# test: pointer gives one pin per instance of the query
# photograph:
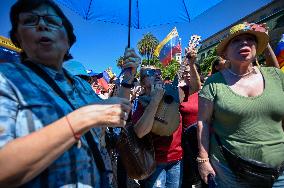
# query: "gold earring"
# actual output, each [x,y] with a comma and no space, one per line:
[256,61]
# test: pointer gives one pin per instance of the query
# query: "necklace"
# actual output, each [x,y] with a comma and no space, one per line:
[240,75]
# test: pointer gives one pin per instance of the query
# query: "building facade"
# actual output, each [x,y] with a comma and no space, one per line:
[272,14]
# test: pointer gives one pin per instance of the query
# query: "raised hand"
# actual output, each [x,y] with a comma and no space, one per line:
[131,60]
[191,54]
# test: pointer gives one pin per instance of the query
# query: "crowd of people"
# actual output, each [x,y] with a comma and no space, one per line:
[56,130]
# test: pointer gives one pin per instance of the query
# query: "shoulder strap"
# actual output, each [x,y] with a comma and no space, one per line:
[217,139]
[90,140]
[42,74]
[219,143]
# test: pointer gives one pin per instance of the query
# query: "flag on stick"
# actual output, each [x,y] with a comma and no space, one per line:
[168,47]
[279,52]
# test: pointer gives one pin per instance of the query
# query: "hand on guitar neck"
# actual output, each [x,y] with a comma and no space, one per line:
[189,75]
[191,50]
[191,55]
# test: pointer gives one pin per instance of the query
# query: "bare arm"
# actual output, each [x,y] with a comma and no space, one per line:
[132,61]
[205,111]
[195,83]
[24,158]
[145,123]
[124,93]
[194,79]
[270,58]
[37,151]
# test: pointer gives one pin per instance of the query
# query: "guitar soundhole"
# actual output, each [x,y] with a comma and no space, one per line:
[168,99]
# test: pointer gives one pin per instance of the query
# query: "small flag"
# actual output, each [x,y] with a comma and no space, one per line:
[279,52]
[110,73]
[106,76]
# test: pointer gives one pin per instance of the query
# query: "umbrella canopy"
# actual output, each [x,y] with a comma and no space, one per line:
[131,13]
[144,14]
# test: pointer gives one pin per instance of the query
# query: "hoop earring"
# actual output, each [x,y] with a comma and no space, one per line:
[256,61]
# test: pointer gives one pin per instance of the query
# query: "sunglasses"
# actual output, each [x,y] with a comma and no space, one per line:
[32,20]
[152,72]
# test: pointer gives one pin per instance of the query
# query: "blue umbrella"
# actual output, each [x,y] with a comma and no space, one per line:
[144,14]
[136,14]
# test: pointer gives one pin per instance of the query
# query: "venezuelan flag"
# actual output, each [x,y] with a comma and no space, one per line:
[110,73]
[168,47]
[106,76]
[279,52]
[102,82]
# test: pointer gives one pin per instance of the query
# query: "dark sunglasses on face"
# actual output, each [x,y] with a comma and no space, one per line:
[152,72]
[32,20]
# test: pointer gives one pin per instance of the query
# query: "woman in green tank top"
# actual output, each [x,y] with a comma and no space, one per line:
[244,106]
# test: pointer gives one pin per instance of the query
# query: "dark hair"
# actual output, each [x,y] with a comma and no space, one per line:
[215,63]
[167,78]
[28,5]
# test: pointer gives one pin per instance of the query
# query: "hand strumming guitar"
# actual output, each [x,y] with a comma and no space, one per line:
[157,93]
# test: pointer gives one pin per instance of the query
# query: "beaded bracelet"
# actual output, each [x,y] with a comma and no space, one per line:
[202,160]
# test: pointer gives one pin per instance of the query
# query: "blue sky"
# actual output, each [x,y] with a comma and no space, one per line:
[100,44]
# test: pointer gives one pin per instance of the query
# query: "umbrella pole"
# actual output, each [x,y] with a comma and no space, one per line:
[129,23]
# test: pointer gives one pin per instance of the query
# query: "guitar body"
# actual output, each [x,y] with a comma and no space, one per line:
[167,116]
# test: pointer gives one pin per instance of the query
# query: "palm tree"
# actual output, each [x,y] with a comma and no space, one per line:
[147,45]
[119,62]
[206,63]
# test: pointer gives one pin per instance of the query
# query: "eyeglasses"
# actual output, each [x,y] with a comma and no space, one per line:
[152,72]
[32,20]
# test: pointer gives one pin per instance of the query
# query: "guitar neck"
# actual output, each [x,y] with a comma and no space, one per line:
[192,44]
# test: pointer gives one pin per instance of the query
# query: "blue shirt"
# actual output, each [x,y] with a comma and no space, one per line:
[27,104]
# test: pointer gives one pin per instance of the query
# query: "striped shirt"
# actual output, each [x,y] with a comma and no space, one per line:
[27,104]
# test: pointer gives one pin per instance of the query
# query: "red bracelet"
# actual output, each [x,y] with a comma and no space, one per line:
[76,135]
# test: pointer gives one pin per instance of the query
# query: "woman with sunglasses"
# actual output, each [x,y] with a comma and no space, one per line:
[168,150]
[50,120]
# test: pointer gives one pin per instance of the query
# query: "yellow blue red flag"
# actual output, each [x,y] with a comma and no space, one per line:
[168,47]
[279,52]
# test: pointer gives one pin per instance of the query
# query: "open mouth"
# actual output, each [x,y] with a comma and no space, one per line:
[158,81]
[244,51]
[45,40]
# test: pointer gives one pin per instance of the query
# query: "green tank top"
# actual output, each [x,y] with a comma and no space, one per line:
[248,126]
